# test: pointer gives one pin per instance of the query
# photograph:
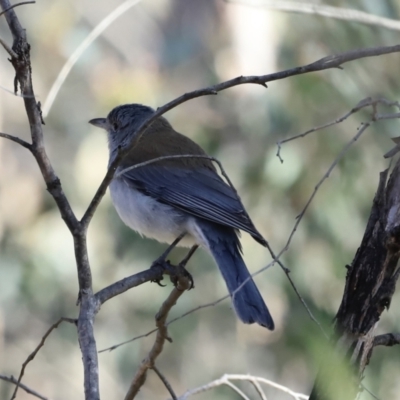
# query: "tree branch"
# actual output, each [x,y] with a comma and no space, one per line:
[11,379]
[38,347]
[388,339]
[183,284]
[17,140]
[227,378]
[370,284]
[369,101]
[340,13]
[16,5]
[165,382]
[152,274]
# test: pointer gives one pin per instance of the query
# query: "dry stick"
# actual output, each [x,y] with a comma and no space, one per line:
[364,126]
[165,382]
[152,274]
[225,379]
[387,339]
[16,140]
[93,35]
[324,63]
[10,91]
[11,379]
[341,13]
[167,324]
[39,346]
[16,5]
[8,49]
[259,389]
[362,104]
[237,390]
[162,335]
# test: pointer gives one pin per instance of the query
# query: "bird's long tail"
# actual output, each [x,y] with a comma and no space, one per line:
[224,246]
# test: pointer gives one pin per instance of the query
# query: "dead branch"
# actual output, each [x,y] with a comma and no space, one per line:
[11,379]
[16,5]
[340,13]
[362,104]
[183,283]
[16,139]
[227,378]
[370,283]
[39,346]
[388,339]
[165,382]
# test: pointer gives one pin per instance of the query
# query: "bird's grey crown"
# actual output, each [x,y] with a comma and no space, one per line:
[131,115]
[123,122]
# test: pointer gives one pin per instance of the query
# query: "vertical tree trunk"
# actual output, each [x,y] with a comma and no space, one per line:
[370,284]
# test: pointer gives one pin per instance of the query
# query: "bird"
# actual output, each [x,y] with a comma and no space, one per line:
[181,196]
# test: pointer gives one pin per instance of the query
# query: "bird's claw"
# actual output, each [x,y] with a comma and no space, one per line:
[174,271]
[165,265]
[181,272]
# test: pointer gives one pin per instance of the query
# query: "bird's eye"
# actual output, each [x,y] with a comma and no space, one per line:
[114,126]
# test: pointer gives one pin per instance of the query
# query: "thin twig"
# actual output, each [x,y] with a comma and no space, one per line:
[11,92]
[38,347]
[111,348]
[236,389]
[364,126]
[225,380]
[362,104]
[8,49]
[93,35]
[258,389]
[16,139]
[11,379]
[168,323]
[165,382]
[183,283]
[340,13]
[276,259]
[16,5]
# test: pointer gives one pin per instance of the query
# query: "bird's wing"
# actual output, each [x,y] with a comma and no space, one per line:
[201,193]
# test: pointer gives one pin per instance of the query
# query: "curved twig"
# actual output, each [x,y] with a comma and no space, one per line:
[340,13]
[16,5]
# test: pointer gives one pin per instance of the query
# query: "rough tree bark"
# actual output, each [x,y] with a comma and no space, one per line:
[370,284]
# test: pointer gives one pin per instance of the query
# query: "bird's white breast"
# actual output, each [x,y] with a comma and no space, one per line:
[152,218]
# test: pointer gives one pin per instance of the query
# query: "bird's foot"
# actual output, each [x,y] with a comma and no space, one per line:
[181,272]
[163,266]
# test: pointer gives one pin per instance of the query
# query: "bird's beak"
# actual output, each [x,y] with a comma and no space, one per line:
[99,122]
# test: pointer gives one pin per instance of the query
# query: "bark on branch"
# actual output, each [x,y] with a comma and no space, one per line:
[370,284]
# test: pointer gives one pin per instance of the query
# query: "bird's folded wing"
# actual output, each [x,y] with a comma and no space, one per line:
[201,193]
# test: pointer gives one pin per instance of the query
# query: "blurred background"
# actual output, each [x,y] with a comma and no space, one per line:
[154,52]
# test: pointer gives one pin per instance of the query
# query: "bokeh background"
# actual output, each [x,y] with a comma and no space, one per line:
[153,53]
